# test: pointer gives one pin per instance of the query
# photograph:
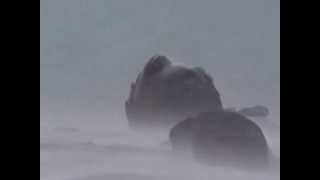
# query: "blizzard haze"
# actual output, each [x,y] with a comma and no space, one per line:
[91,51]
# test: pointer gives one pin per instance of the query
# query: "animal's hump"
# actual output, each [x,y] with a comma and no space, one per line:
[156,64]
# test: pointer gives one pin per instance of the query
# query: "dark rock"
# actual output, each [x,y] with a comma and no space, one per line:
[164,94]
[222,138]
[255,111]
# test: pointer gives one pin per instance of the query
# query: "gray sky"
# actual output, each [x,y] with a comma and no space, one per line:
[92,50]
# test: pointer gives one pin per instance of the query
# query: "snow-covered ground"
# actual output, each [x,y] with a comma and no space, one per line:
[107,150]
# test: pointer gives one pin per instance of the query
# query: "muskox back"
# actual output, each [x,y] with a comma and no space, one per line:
[222,138]
[164,94]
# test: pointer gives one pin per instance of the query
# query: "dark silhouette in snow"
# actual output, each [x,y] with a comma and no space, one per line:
[222,138]
[164,94]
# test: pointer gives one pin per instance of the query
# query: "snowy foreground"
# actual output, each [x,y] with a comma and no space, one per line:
[95,150]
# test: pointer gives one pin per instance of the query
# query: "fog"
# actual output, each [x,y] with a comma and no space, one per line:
[92,50]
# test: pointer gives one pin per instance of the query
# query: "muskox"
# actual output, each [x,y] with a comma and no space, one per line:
[222,138]
[165,93]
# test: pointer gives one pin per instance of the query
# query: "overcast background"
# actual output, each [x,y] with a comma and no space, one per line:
[92,50]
